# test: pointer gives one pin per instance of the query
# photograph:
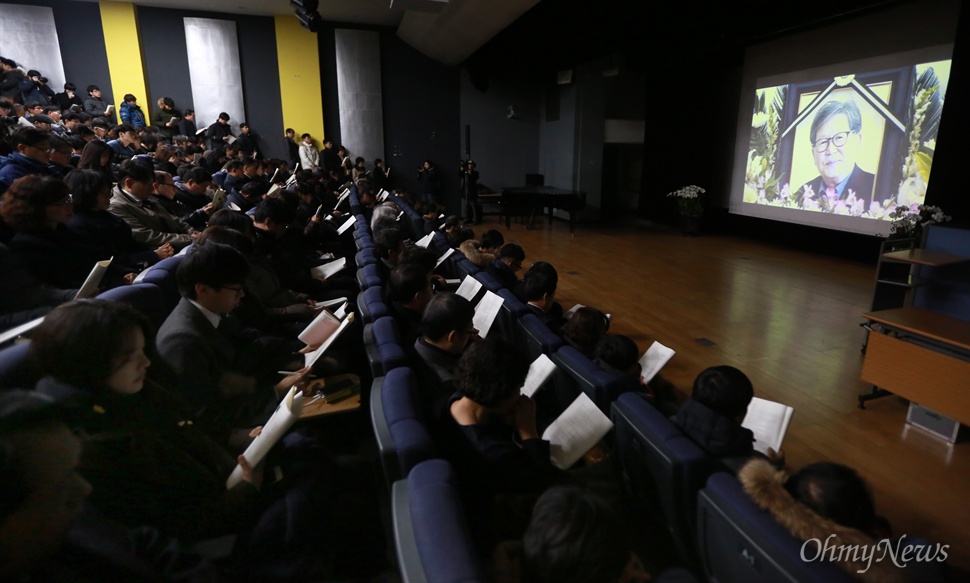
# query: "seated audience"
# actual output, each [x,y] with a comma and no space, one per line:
[215,368]
[832,504]
[621,356]
[31,156]
[91,220]
[446,331]
[38,209]
[22,296]
[165,191]
[507,264]
[538,290]
[584,330]
[483,253]
[575,535]
[408,291]
[491,437]
[712,417]
[150,223]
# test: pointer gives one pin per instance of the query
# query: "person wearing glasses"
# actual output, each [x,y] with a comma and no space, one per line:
[38,208]
[836,138]
[32,155]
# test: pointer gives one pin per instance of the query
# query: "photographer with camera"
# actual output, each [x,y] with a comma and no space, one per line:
[469,191]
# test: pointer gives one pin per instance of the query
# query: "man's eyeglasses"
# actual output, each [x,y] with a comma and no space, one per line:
[237,289]
[47,149]
[838,140]
[67,201]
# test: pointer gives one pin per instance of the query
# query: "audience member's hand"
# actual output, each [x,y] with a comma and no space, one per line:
[209,209]
[524,418]
[195,235]
[438,281]
[250,474]
[165,251]
[308,349]
[256,431]
[300,378]
[337,214]
[130,277]
[777,458]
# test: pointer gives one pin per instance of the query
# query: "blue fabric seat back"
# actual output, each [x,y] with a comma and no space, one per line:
[365,257]
[432,538]
[535,337]
[402,437]
[371,305]
[362,242]
[368,276]
[382,343]
[739,542]
[662,468]
[16,370]
[465,267]
[163,275]
[147,298]
[439,243]
[510,314]
[578,373]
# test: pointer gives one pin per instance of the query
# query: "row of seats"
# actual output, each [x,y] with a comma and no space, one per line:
[716,527]
[431,535]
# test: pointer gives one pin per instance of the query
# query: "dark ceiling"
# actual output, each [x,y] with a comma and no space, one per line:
[561,33]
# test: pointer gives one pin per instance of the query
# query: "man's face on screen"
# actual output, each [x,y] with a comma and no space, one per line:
[835,162]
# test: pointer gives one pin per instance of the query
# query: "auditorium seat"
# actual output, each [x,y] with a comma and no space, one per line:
[662,468]
[365,256]
[16,371]
[432,539]
[163,275]
[739,542]
[509,316]
[369,276]
[382,343]
[371,304]
[576,373]
[402,438]
[535,337]
[364,241]
[465,267]
[147,298]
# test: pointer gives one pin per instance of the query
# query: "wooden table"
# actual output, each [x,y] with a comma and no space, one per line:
[922,356]
[320,408]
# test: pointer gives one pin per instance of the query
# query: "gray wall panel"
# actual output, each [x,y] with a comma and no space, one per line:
[359,90]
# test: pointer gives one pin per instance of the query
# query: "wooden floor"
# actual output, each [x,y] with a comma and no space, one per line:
[790,321]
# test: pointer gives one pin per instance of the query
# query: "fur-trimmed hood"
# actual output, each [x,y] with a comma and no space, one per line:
[765,484]
[470,250]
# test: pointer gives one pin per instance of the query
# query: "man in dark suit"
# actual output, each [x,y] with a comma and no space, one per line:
[447,331]
[836,137]
[509,261]
[203,346]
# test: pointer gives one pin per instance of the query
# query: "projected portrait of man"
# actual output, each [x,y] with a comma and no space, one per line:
[836,137]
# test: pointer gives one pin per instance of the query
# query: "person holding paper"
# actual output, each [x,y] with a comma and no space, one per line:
[620,355]
[712,417]
[491,438]
[447,331]
[214,367]
[148,461]
[38,209]
[151,463]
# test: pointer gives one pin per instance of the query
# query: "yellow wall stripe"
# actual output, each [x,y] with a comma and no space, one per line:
[299,66]
[123,45]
